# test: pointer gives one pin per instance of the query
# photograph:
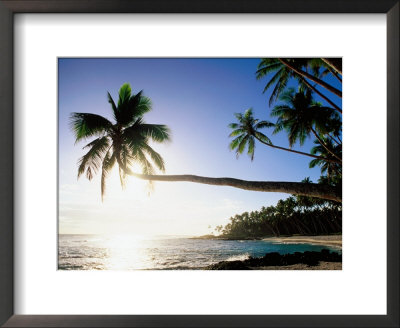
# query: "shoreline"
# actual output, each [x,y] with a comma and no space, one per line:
[322,265]
[325,240]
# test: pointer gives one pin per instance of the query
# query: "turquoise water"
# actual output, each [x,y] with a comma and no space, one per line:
[95,252]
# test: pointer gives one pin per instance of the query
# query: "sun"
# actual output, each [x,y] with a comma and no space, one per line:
[133,190]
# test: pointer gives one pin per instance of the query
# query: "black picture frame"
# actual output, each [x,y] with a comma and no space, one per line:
[10,7]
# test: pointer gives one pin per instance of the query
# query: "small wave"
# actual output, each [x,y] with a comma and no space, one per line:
[69,267]
[239,257]
[180,267]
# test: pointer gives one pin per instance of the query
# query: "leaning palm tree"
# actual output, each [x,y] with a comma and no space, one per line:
[298,69]
[301,116]
[246,131]
[125,141]
[335,63]
[285,69]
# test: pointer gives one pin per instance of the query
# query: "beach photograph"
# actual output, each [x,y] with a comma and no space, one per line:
[199,163]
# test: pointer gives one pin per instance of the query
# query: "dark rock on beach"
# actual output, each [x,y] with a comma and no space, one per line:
[275,259]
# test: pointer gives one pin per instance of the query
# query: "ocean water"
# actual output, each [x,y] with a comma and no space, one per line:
[100,252]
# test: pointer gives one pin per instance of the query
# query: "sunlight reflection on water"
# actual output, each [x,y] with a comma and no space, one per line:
[127,252]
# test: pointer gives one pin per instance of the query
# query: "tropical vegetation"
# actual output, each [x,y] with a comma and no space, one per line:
[124,141]
[298,113]
[294,215]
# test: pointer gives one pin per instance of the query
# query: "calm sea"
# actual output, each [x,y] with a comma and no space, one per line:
[98,252]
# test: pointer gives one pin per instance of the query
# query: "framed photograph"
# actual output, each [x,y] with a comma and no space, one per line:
[191,164]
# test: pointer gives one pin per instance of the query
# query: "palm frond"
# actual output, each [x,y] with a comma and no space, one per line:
[92,160]
[239,116]
[288,96]
[127,107]
[248,114]
[266,66]
[264,124]
[133,108]
[124,94]
[113,106]
[123,158]
[235,142]
[155,157]
[108,163]
[314,163]
[280,86]
[251,147]
[86,125]
[278,127]
[92,143]
[280,110]
[156,132]
[242,145]
[274,79]
[144,106]
[237,132]
[147,168]
[262,137]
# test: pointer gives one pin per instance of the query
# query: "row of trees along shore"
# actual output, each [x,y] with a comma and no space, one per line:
[294,215]
[298,114]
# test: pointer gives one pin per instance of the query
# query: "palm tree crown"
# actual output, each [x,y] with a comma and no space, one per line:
[124,142]
[282,73]
[284,69]
[330,168]
[300,115]
[246,131]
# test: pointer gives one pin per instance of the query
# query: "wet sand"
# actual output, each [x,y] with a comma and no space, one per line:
[300,266]
[328,240]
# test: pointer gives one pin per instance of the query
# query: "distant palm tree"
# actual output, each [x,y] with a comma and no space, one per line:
[247,130]
[126,141]
[301,116]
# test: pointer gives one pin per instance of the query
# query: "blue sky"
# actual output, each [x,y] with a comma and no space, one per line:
[196,98]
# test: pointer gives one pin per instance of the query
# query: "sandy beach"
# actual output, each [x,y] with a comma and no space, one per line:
[300,266]
[328,240]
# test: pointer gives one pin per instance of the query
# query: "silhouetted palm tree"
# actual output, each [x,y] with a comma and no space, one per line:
[329,168]
[300,116]
[335,63]
[283,72]
[247,130]
[292,64]
[126,141]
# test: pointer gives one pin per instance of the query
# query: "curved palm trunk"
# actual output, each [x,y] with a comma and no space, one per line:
[335,63]
[322,95]
[299,152]
[323,145]
[335,74]
[312,78]
[332,138]
[297,188]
